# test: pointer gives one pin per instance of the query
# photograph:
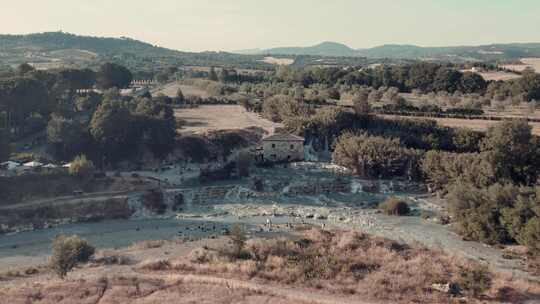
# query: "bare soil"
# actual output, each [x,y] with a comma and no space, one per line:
[202,119]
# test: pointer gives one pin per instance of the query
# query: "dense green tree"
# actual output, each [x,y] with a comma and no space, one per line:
[20,97]
[443,169]
[156,120]
[513,152]
[497,214]
[74,79]
[113,129]
[447,79]
[375,157]
[478,211]
[473,83]
[67,137]
[111,75]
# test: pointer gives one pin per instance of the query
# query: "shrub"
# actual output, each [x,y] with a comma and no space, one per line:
[395,206]
[67,252]
[530,236]
[155,265]
[238,237]
[476,279]
[81,167]
[154,201]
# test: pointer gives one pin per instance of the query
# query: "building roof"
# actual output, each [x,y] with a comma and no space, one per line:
[283,137]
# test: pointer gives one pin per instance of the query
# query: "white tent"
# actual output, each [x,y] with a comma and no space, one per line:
[10,165]
[68,165]
[50,166]
[33,164]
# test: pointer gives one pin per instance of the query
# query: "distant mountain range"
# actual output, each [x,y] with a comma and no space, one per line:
[394,51]
[59,49]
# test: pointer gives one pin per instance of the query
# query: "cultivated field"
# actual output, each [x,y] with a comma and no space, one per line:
[527,62]
[188,90]
[220,117]
[473,124]
[496,76]
[278,61]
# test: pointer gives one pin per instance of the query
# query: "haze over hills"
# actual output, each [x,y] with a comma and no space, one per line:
[395,51]
[52,49]
[59,49]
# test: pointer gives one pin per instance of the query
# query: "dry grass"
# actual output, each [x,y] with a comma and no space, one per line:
[150,244]
[188,90]
[496,76]
[532,62]
[207,118]
[527,62]
[278,61]
[347,263]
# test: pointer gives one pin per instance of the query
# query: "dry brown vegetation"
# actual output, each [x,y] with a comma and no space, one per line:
[316,266]
[356,265]
[527,62]
[278,61]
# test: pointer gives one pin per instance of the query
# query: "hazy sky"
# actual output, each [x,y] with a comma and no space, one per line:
[198,25]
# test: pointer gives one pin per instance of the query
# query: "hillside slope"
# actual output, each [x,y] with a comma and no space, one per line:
[52,49]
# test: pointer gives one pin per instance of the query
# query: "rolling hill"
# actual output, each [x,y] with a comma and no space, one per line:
[54,49]
[331,49]
[394,51]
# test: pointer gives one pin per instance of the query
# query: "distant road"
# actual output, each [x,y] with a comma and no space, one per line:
[96,196]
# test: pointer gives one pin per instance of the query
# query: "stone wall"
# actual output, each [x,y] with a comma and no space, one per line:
[320,186]
[276,151]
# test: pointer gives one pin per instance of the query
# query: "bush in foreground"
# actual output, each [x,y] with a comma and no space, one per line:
[81,167]
[475,280]
[395,206]
[67,252]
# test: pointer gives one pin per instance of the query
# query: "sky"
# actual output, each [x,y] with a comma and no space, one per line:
[227,25]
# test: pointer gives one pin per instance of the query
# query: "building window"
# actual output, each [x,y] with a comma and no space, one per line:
[292,147]
[273,146]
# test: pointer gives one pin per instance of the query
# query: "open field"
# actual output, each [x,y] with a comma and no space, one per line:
[188,90]
[221,117]
[533,62]
[496,76]
[473,124]
[527,62]
[278,61]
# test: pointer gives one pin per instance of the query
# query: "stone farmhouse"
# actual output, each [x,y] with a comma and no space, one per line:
[282,147]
